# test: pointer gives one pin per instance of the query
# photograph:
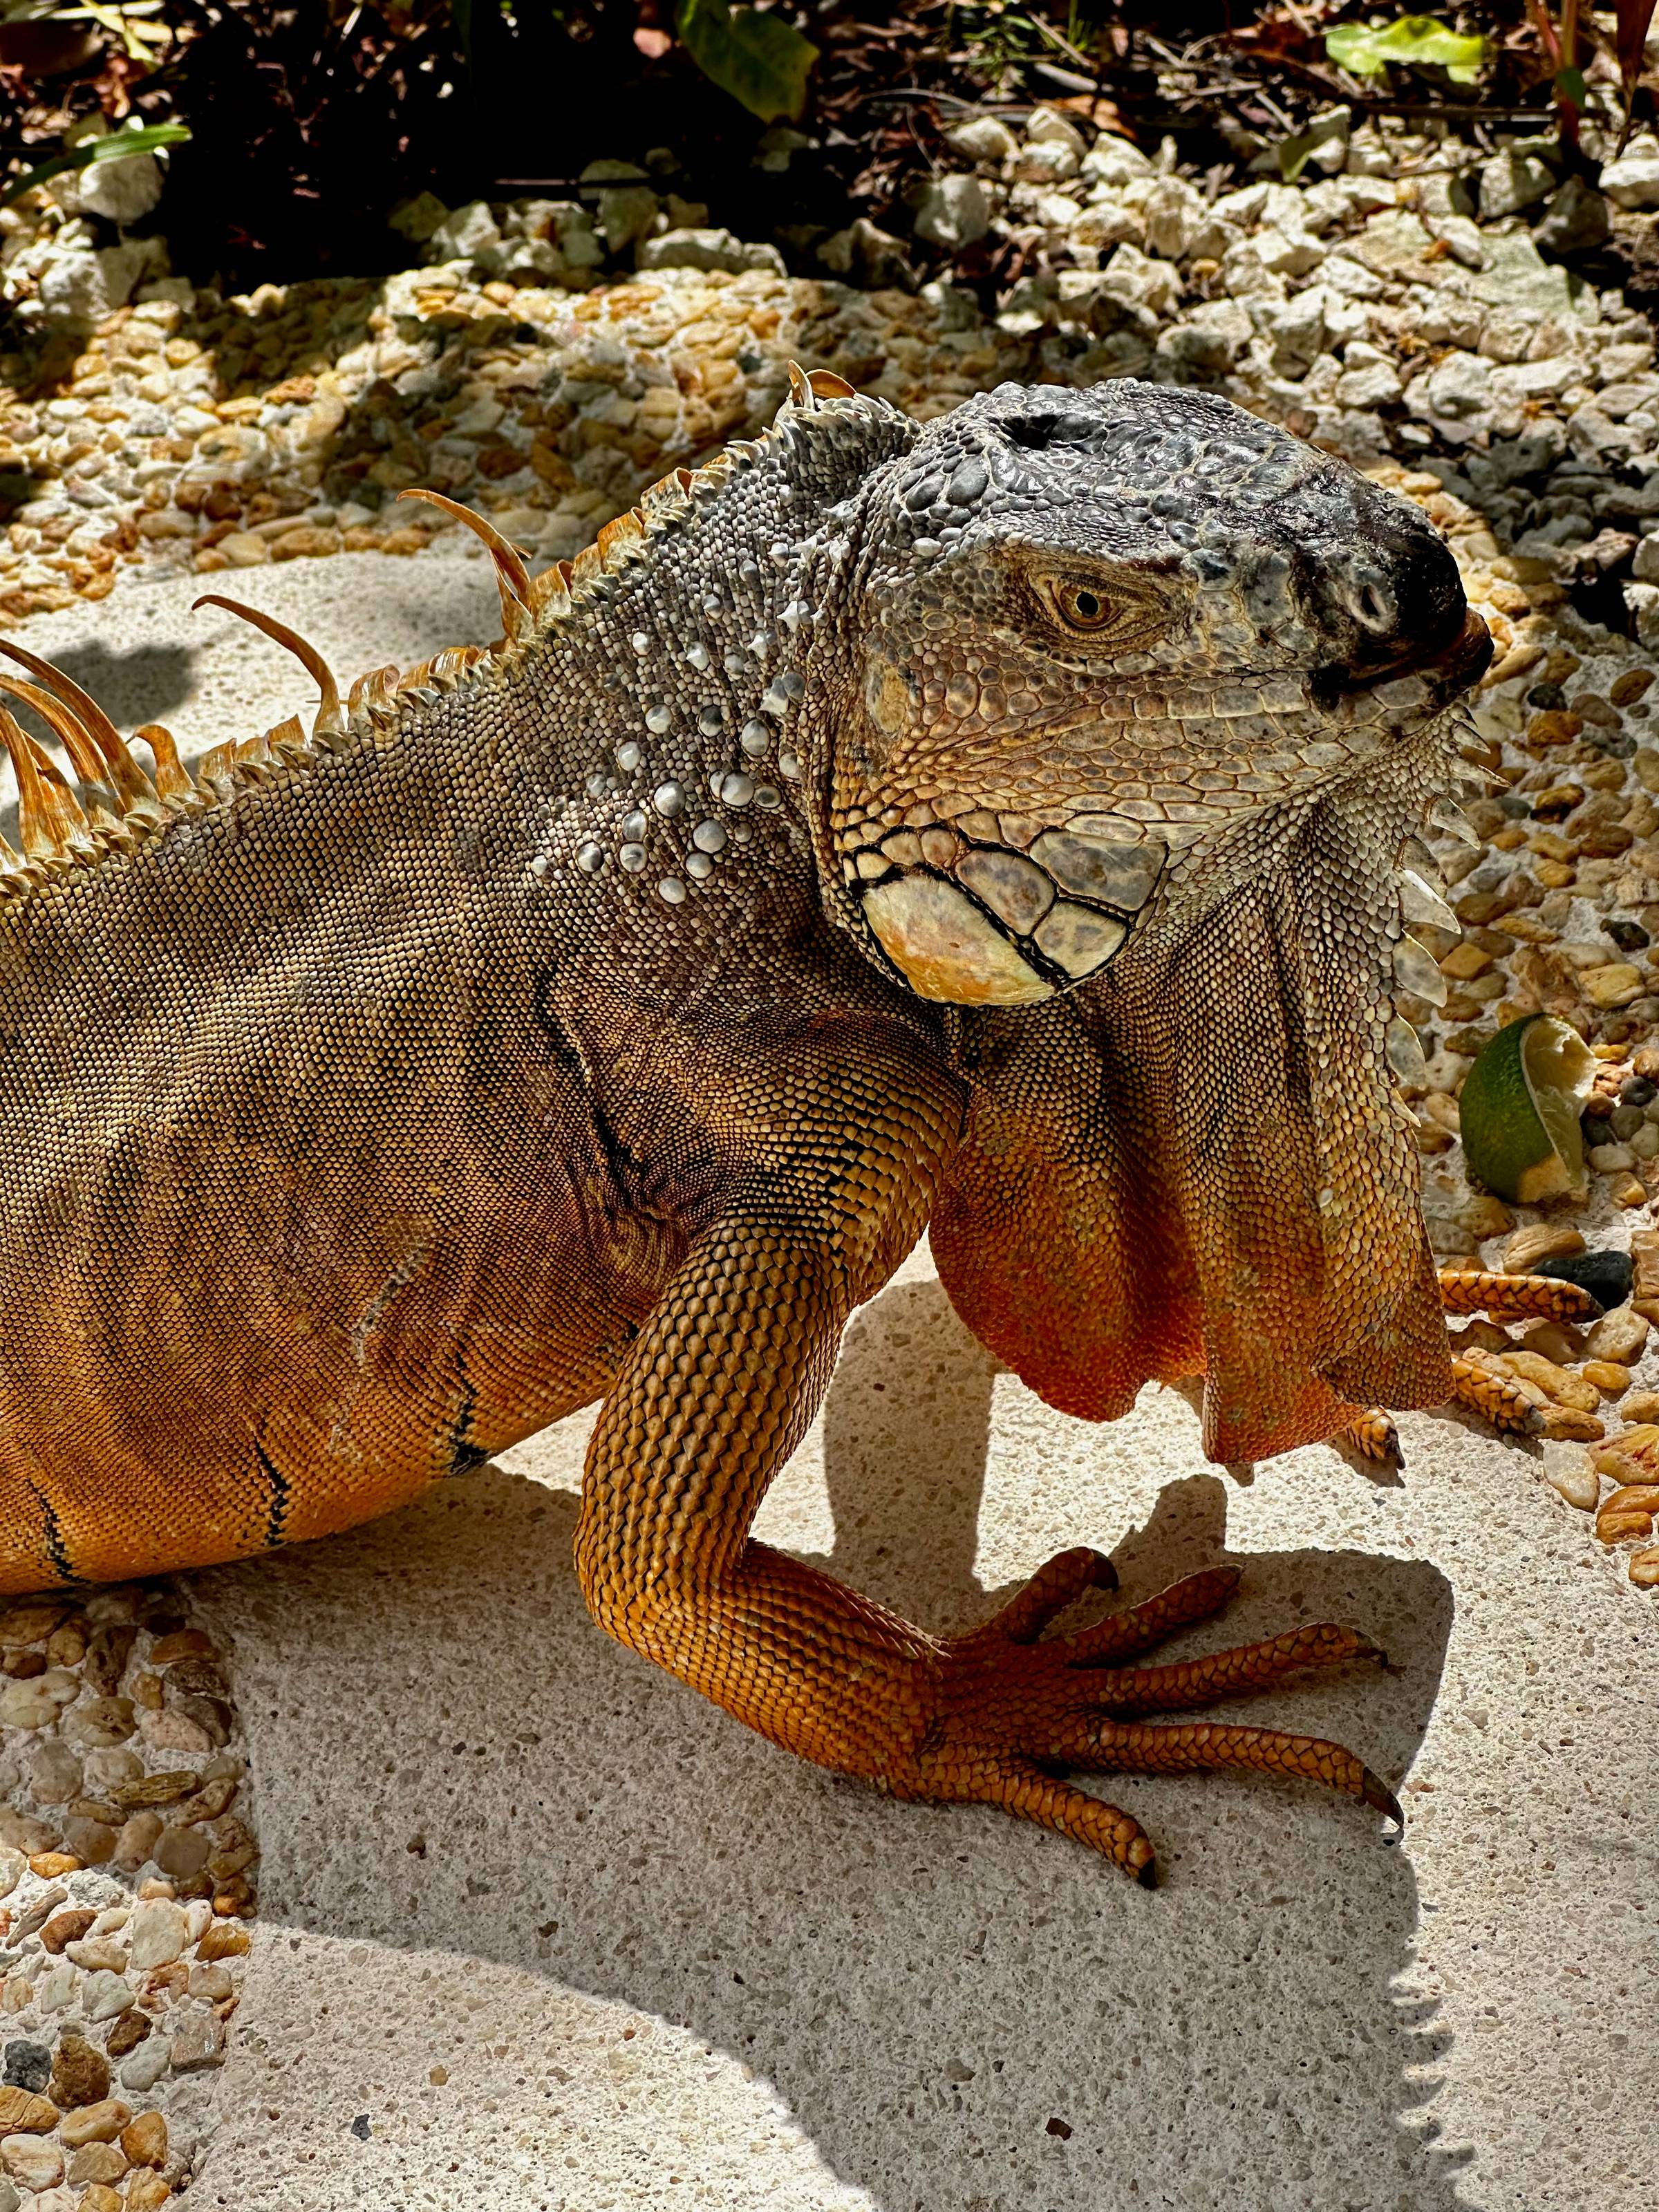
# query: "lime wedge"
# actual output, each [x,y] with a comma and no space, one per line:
[1520,1108]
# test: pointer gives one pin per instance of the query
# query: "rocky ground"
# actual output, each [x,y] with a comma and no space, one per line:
[126,1867]
[1405,302]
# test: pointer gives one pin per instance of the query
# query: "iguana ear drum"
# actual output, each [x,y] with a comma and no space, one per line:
[988,927]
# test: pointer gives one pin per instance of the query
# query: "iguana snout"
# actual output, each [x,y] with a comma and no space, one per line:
[1097,635]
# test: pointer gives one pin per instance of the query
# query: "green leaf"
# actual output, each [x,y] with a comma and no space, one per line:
[1366,50]
[118,146]
[1292,153]
[759,59]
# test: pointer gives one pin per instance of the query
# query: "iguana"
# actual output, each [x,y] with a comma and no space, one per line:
[993,823]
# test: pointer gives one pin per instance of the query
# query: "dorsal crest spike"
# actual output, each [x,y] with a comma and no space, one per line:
[512,577]
[801,394]
[84,756]
[172,776]
[619,535]
[49,817]
[373,690]
[328,722]
[215,764]
[826,385]
[550,592]
[132,787]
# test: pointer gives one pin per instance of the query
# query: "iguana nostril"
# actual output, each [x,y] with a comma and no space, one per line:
[1376,605]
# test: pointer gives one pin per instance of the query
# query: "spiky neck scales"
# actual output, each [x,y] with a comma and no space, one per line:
[668,660]
[697,658]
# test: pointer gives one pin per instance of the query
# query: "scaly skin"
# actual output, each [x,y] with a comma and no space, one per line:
[991,823]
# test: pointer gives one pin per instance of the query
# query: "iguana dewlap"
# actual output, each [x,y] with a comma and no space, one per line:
[993,822]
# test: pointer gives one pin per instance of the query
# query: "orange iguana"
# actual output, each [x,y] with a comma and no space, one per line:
[994,822]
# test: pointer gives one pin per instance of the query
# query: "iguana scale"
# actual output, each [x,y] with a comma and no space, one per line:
[994,822]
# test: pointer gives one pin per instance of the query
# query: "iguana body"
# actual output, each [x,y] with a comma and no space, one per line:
[993,822]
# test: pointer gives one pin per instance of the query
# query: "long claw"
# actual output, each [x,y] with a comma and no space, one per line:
[1377,1794]
[1201,1746]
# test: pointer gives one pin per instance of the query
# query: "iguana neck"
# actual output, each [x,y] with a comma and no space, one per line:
[678,718]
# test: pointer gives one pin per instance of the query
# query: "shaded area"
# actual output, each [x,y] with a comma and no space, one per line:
[958,2011]
[132,683]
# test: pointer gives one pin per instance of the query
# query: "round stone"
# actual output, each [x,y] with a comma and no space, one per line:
[710,720]
[28,2065]
[591,859]
[789,765]
[672,890]
[632,827]
[33,2162]
[640,642]
[755,738]
[668,798]
[1606,1275]
[80,2073]
[147,2064]
[699,865]
[632,858]
[698,657]
[709,836]
[767,797]
[658,719]
[737,789]
[540,865]
[627,757]
[144,2139]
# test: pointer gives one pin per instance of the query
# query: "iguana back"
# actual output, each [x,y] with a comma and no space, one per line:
[325,1155]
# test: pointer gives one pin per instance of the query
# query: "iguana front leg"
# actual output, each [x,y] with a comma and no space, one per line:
[717,1392]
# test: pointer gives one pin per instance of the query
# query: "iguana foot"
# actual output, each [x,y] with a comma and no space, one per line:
[1012,1715]
[1484,1390]
[1496,1397]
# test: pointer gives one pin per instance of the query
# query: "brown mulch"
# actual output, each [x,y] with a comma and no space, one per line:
[313,118]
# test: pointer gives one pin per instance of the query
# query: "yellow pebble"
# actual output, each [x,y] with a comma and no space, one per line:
[1611,1381]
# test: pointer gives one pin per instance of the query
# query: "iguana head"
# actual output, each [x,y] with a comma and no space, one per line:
[1100,634]
[1142,702]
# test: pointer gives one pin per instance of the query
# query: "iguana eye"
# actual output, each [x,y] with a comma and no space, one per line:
[1081,608]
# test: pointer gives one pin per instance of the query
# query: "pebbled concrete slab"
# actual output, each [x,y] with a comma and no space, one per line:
[540,1929]
[546,1931]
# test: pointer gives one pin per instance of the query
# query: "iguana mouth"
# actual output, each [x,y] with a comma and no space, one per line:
[1445,666]
[981,909]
